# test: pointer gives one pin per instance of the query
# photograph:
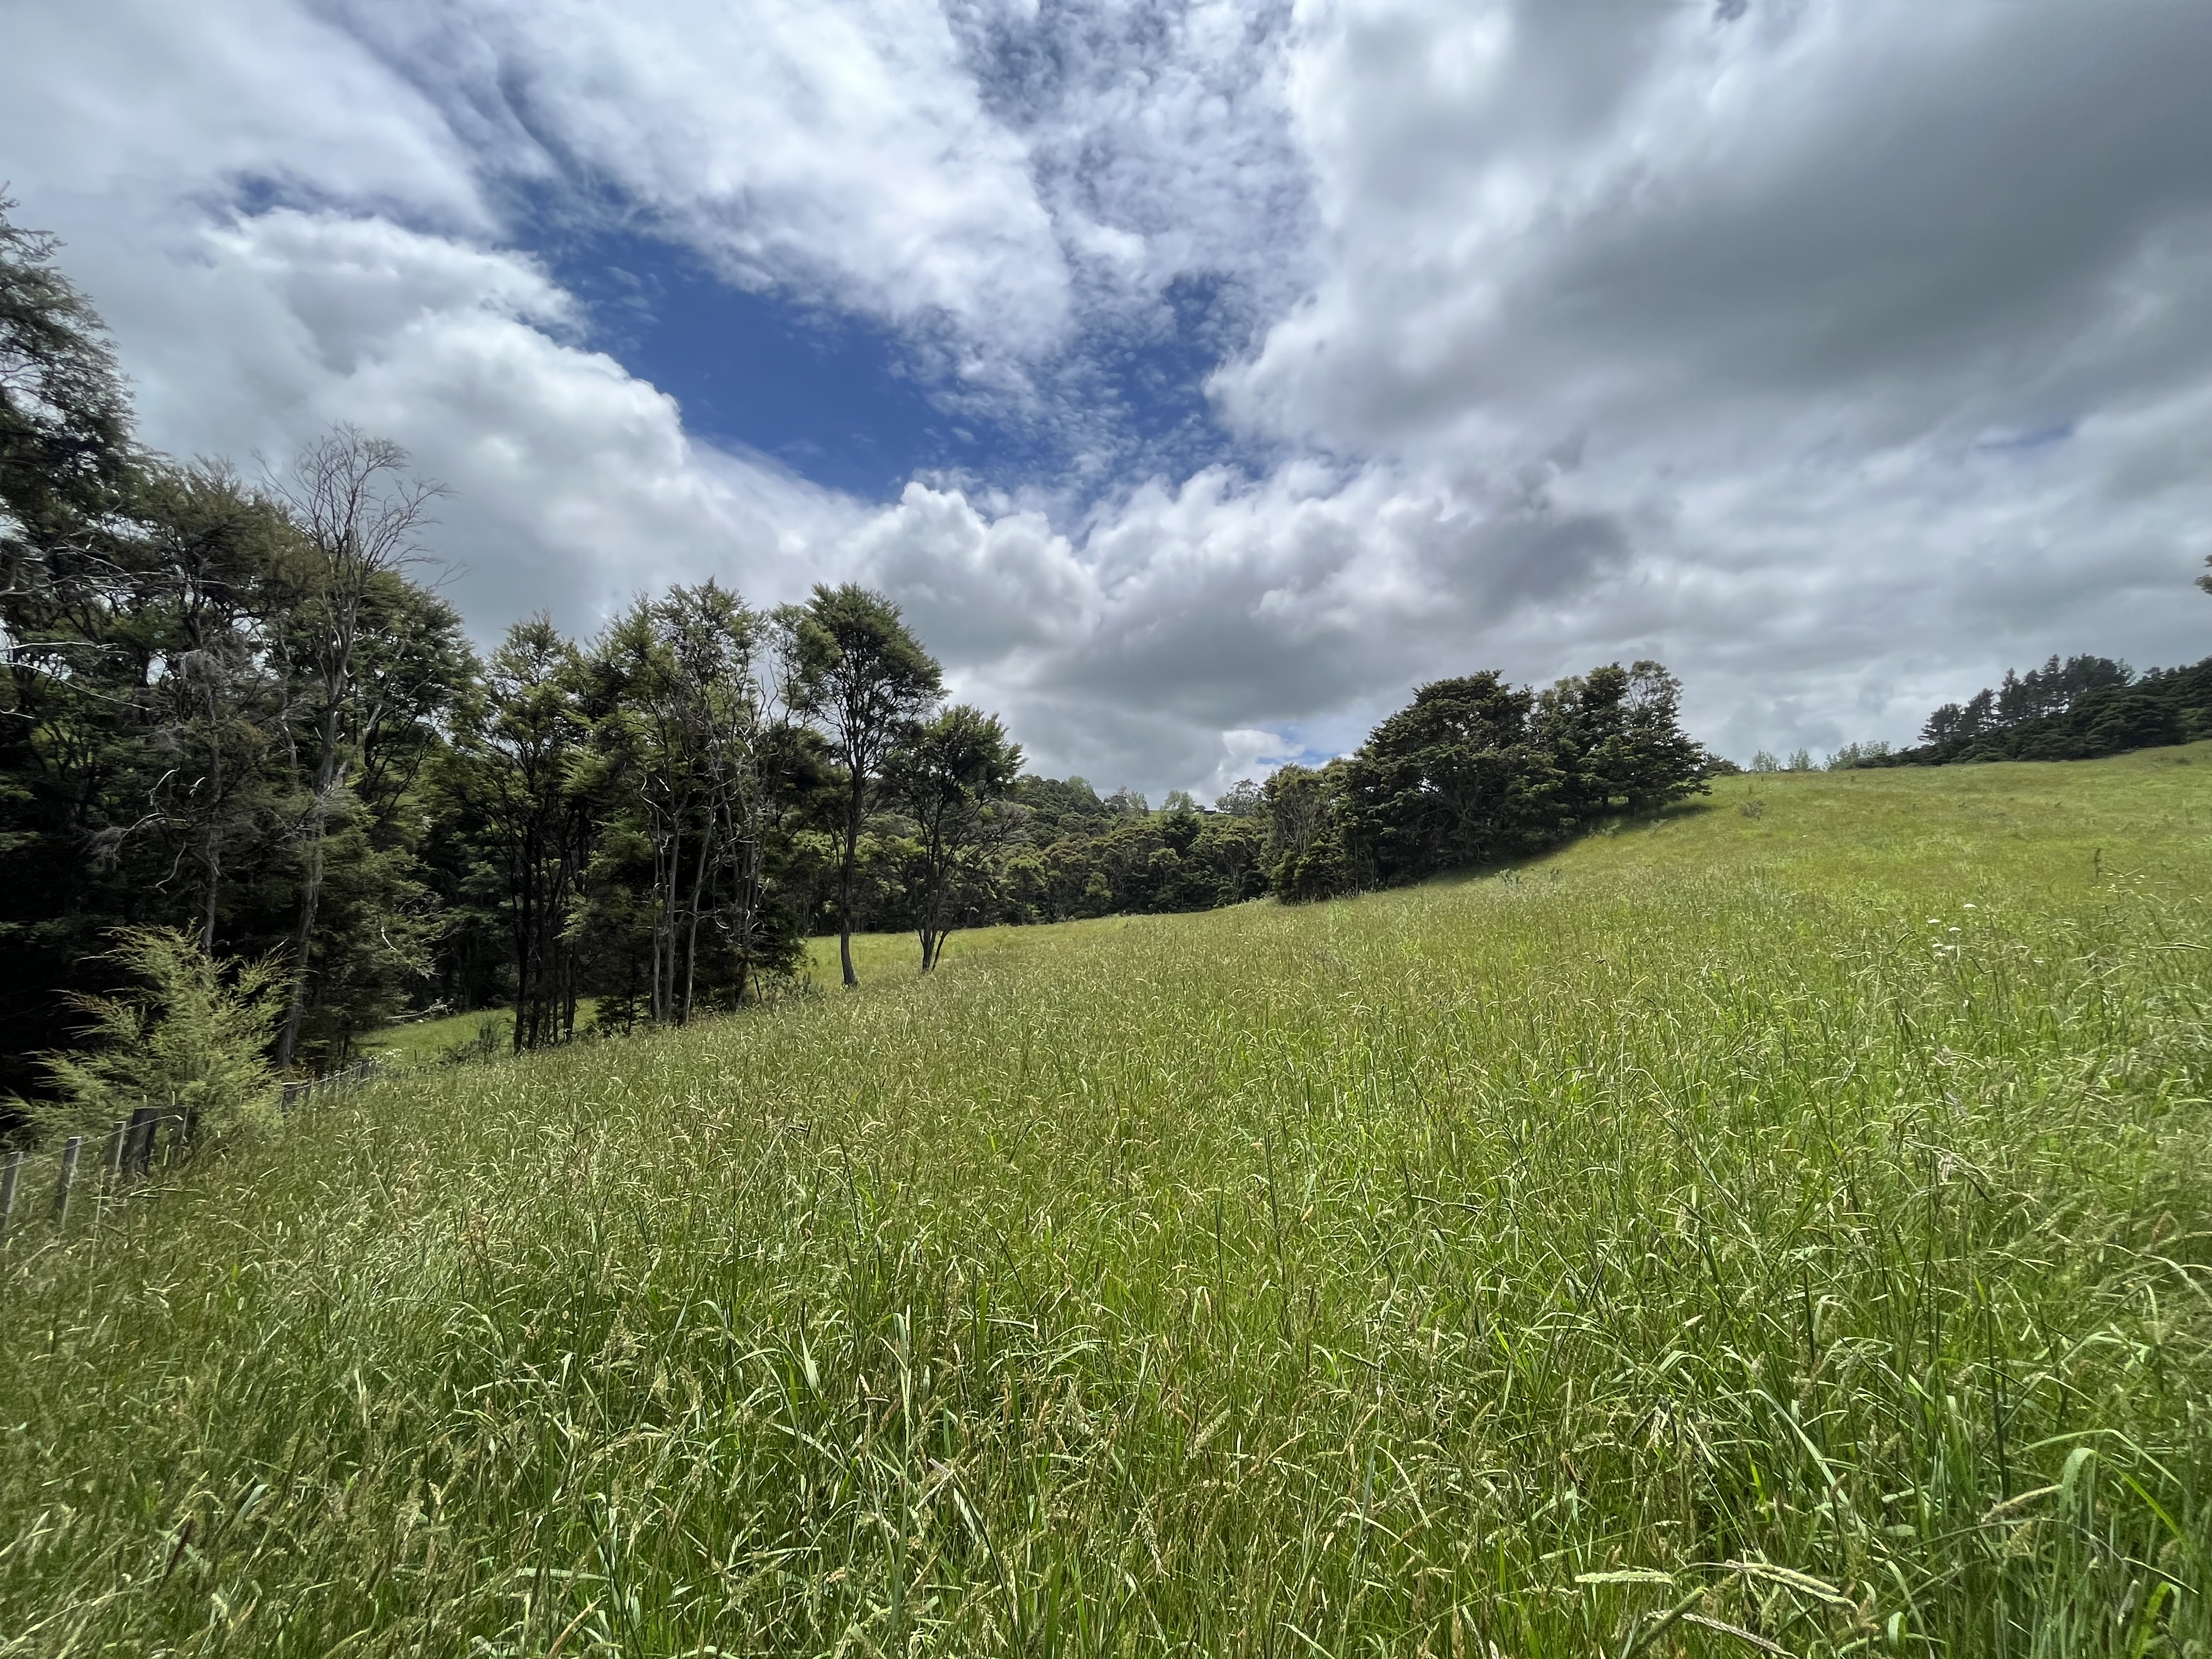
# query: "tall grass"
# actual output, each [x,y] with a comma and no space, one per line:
[1678,1248]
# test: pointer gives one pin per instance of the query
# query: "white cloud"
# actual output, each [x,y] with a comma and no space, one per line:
[1749,292]
[1159,135]
[1541,220]
[835,145]
[575,484]
[1837,354]
[125,108]
[1248,753]
[978,588]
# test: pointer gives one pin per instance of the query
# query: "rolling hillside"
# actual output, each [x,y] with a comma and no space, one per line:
[1781,1228]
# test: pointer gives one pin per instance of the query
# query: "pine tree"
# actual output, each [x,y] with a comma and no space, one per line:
[191,1046]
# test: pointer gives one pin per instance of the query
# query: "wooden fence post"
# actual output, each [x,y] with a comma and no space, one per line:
[70,1150]
[8,1174]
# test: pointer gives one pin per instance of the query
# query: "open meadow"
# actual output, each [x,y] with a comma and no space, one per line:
[1783,1227]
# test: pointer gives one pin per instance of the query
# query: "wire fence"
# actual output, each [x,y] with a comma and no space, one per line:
[345,1076]
[44,1185]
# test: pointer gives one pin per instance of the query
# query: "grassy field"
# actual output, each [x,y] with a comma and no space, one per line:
[434,1042]
[1784,1229]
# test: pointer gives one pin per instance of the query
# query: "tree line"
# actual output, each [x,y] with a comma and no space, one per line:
[237,712]
[2079,708]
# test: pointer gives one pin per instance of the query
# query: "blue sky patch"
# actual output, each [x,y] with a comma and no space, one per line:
[853,405]
[833,396]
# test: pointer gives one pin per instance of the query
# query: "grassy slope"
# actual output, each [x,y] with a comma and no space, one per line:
[428,1042]
[1361,1278]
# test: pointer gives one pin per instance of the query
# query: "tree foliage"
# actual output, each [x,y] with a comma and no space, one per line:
[704,775]
[237,725]
[858,674]
[1474,771]
[190,1044]
[2078,708]
[65,444]
[950,779]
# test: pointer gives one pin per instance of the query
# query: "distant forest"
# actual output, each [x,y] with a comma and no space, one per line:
[238,709]
[2081,709]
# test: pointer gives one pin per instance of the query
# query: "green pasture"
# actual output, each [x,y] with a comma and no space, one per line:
[436,1041]
[1782,1227]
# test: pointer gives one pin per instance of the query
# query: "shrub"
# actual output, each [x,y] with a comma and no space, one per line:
[494,1033]
[192,1045]
[1852,755]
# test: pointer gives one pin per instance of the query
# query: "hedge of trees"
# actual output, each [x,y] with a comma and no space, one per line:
[2078,709]
[1474,771]
[238,711]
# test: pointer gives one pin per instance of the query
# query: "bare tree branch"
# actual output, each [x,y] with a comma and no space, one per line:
[364,516]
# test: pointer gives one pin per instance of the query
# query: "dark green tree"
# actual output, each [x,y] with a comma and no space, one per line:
[1242,799]
[1454,778]
[66,452]
[216,561]
[518,784]
[702,761]
[66,461]
[1230,852]
[1614,736]
[2074,709]
[950,779]
[380,917]
[857,673]
[1308,857]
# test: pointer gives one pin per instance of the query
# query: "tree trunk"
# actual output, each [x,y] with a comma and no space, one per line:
[657,857]
[524,949]
[845,880]
[692,939]
[214,887]
[310,898]
[667,858]
[214,854]
[845,926]
[932,911]
[311,892]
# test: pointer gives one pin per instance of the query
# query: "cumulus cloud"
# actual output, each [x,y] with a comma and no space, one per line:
[391,305]
[1542,219]
[1295,606]
[574,484]
[133,108]
[1835,353]
[836,145]
[1867,332]
[1159,136]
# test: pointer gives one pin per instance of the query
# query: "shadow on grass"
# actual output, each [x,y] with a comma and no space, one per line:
[1644,824]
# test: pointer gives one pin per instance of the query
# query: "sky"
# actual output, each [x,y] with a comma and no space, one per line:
[1201,378]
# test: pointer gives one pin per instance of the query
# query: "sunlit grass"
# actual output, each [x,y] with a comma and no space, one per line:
[431,1042]
[1787,1229]
[880,957]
